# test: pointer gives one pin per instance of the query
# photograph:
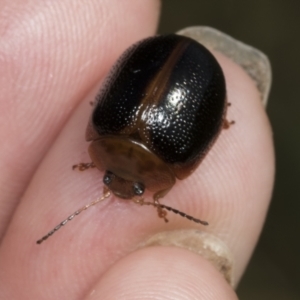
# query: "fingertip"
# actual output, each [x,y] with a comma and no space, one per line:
[162,273]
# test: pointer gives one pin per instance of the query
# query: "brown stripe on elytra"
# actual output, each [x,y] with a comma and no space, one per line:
[159,84]
[153,93]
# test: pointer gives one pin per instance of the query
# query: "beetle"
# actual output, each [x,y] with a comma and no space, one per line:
[159,112]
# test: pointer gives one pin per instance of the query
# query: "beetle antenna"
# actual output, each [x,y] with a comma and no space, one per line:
[76,213]
[184,215]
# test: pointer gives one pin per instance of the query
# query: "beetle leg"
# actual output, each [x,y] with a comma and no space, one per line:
[160,211]
[83,166]
[227,124]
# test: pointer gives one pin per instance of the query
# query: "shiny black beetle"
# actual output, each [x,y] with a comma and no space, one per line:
[161,109]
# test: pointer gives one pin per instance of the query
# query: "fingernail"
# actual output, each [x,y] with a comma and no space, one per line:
[207,245]
[252,60]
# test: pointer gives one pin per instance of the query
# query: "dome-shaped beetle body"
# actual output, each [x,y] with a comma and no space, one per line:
[162,107]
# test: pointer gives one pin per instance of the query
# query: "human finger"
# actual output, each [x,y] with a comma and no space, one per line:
[233,188]
[51,54]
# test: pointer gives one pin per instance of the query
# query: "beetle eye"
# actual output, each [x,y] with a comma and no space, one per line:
[108,177]
[138,188]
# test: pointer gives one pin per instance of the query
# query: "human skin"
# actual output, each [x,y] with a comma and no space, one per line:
[52,55]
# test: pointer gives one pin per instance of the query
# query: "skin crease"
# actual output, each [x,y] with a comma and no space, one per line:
[231,188]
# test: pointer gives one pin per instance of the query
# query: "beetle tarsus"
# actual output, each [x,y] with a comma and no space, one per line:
[227,124]
[160,211]
[83,166]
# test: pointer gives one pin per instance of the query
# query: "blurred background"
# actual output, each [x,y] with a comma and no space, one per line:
[272,26]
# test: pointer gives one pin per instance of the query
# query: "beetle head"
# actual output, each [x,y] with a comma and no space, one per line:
[121,187]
